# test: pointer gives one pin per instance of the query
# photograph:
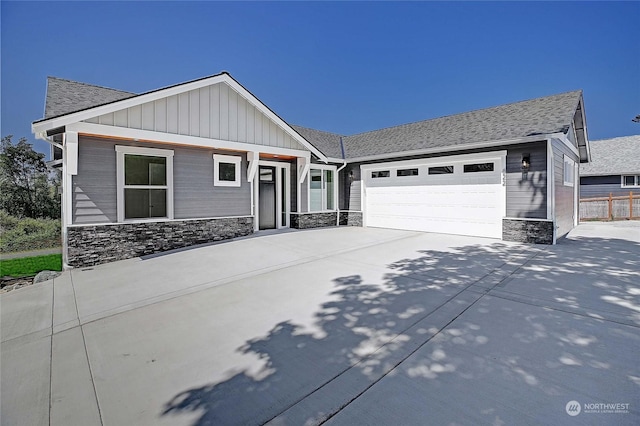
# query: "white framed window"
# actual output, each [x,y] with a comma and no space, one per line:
[144,183]
[568,171]
[226,170]
[630,181]
[322,189]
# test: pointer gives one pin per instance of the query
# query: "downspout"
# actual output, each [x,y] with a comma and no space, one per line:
[344,164]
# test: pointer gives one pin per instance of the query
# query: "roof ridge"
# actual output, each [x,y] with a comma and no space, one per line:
[318,130]
[466,112]
[90,85]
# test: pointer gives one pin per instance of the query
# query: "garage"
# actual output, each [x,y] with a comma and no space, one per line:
[461,194]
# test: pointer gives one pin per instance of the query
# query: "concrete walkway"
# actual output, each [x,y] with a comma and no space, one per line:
[31,253]
[341,325]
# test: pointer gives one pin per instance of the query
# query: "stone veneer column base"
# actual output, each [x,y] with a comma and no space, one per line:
[95,244]
[348,218]
[313,220]
[538,231]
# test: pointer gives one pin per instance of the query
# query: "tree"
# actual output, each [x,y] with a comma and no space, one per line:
[28,188]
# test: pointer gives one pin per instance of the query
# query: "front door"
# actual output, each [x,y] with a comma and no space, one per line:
[267,197]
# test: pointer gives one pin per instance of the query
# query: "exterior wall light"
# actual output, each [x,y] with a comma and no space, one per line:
[526,162]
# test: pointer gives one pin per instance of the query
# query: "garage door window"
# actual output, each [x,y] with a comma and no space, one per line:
[440,170]
[380,174]
[407,172]
[478,167]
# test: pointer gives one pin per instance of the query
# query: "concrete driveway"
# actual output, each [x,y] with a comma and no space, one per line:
[342,325]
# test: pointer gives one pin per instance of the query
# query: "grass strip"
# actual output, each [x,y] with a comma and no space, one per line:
[27,266]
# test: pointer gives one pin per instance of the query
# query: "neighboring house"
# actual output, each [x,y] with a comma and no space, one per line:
[206,160]
[614,168]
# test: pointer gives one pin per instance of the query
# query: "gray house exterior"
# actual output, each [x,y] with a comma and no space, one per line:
[614,168]
[206,160]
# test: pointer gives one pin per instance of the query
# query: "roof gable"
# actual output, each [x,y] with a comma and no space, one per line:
[613,157]
[215,107]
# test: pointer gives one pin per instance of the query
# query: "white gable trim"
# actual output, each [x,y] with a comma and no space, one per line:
[170,138]
[71,118]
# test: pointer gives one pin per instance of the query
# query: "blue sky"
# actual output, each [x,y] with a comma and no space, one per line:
[340,67]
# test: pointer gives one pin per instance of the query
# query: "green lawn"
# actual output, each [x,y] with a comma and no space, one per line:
[28,266]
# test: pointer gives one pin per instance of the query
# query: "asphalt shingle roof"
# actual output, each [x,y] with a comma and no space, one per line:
[66,96]
[613,157]
[326,142]
[539,116]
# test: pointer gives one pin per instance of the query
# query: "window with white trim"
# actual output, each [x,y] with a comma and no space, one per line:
[569,171]
[322,190]
[145,183]
[630,181]
[226,170]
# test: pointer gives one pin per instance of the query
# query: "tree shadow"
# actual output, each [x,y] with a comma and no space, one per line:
[553,317]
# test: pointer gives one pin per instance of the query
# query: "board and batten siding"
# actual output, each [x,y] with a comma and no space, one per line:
[602,186]
[195,196]
[527,192]
[564,195]
[216,112]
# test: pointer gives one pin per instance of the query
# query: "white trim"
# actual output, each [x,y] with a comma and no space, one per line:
[71,143]
[566,160]
[228,159]
[563,138]
[253,157]
[170,91]
[636,179]
[551,188]
[479,145]
[279,166]
[576,194]
[550,180]
[175,139]
[121,151]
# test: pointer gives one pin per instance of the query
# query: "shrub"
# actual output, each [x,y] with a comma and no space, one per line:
[28,234]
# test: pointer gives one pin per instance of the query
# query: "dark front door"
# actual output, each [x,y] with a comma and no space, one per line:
[267,197]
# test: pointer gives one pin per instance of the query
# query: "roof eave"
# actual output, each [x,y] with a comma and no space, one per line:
[451,148]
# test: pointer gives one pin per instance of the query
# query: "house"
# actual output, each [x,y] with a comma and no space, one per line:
[614,168]
[206,160]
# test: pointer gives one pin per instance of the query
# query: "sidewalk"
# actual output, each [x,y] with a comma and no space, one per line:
[30,253]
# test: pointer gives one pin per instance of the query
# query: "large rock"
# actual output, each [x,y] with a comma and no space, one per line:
[45,276]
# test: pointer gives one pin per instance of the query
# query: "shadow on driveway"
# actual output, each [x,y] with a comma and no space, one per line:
[562,327]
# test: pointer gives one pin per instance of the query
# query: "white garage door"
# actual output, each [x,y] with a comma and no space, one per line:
[460,195]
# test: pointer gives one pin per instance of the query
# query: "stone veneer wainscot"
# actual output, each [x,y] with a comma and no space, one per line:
[96,244]
[528,230]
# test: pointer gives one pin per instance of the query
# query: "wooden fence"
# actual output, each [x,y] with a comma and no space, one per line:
[611,208]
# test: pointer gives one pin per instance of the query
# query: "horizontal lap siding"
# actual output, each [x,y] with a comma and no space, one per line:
[602,186]
[194,194]
[527,192]
[95,187]
[564,195]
